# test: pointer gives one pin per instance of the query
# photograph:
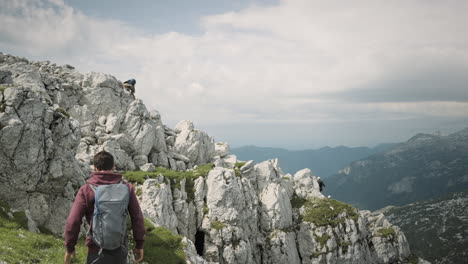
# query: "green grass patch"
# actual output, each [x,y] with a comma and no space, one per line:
[18,245]
[239,164]
[175,177]
[297,202]
[2,88]
[162,246]
[205,210]
[217,225]
[323,212]
[386,232]
[237,167]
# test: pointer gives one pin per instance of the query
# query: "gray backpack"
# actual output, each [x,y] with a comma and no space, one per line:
[109,227]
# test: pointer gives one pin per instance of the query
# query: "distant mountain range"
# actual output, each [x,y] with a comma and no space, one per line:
[323,162]
[437,229]
[424,167]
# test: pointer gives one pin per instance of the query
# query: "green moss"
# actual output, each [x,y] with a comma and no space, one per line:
[323,212]
[322,239]
[2,88]
[205,210]
[286,178]
[386,232]
[217,225]
[175,177]
[62,111]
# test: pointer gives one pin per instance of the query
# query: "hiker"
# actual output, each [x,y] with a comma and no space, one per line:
[321,184]
[105,247]
[130,85]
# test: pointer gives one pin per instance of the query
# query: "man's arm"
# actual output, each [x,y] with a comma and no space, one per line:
[72,227]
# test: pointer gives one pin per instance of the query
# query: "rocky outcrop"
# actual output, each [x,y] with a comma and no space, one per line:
[53,120]
[255,213]
[38,142]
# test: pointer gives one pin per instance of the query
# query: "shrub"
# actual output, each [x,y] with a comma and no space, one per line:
[387,232]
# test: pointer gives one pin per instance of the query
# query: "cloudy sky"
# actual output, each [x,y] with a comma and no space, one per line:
[292,73]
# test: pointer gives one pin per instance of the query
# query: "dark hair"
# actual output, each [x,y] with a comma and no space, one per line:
[103,161]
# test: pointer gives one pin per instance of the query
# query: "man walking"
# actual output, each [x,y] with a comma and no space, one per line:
[84,205]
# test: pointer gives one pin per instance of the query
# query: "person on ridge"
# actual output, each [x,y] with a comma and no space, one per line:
[321,184]
[130,85]
[84,205]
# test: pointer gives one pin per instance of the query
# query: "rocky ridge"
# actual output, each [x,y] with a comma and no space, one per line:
[424,167]
[436,229]
[53,119]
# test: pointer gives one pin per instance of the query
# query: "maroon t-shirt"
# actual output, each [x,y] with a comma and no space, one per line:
[84,206]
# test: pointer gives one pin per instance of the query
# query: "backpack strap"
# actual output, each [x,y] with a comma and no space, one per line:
[96,200]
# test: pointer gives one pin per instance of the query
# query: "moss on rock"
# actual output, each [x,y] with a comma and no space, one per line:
[323,212]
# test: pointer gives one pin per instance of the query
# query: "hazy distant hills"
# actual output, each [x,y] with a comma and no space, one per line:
[437,229]
[323,162]
[424,167]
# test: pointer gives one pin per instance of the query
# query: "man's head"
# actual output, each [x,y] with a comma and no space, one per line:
[103,161]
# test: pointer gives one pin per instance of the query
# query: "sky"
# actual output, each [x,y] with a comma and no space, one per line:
[295,74]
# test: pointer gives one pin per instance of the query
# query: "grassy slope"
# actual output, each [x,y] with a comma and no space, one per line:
[18,245]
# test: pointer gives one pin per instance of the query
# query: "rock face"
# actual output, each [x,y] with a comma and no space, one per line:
[53,119]
[258,214]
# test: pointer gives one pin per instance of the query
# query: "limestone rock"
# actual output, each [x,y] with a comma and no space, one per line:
[222,149]
[148,167]
[156,203]
[194,144]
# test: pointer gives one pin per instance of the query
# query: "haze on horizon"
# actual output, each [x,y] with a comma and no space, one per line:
[295,74]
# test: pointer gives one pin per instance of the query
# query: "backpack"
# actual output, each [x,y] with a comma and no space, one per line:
[109,224]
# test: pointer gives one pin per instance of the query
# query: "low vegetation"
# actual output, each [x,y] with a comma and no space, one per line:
[162,246]
[386,232]
[237,167]
[322,240]
[217,225]
[323,212]
[18,245]
[297,202]
[139,177]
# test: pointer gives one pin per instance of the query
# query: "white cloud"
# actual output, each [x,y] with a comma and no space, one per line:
[262,64]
